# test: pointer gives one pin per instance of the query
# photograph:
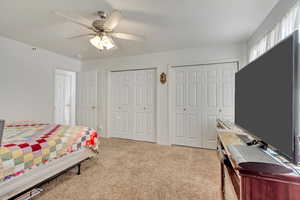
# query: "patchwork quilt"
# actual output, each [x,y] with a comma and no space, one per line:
[27,145]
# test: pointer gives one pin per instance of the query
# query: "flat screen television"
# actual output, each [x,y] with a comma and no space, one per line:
[266,98]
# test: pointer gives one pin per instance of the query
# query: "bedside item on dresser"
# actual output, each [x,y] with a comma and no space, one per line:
[2,122]
[246,154]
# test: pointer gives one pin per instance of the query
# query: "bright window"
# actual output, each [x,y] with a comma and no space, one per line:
[284,28]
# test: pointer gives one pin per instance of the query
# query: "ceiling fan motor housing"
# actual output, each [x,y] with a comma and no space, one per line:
[98,24]
[102,14]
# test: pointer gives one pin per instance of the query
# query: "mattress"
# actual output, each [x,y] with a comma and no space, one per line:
[27,145]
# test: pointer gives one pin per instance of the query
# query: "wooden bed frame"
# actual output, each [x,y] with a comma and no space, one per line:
[35,177]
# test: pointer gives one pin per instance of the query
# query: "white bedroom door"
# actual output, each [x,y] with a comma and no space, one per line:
[201,94]
[65,88]
[87,99]
[132,105]
[144,118]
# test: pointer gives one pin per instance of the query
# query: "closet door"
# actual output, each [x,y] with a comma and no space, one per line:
[210,107]
[193,108]
[219,99]
[132,110]
[144,87]
[187,117]
[201,95]
[121,125]
[227,80]
[178,119]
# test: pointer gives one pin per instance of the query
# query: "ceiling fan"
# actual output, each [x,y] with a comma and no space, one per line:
[102,29]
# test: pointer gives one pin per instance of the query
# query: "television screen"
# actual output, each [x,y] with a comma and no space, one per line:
[266,97]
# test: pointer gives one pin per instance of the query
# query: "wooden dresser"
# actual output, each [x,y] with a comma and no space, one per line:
[241,184]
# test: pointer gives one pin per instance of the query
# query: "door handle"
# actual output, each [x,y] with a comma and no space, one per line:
[144,108]
[93,107]
[184,109]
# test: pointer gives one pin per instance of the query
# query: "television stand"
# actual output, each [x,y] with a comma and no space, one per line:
[267,168]
[254,180]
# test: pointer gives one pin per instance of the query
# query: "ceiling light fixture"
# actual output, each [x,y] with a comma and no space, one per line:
[102,29]
[102,42]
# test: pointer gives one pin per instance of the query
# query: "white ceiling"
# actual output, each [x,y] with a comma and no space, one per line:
[165,24]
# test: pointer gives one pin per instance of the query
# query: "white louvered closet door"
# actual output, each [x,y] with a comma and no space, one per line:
[87,99]
[201,95]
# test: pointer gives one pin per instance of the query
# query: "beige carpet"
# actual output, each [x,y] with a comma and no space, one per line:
[140,171]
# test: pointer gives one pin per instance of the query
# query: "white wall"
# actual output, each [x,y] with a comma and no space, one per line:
[160,61]
[277,13]
[27,81]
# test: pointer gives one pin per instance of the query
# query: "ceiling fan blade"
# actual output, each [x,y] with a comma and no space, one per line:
[75,21]
[80,36]
[126,36]
[113,20]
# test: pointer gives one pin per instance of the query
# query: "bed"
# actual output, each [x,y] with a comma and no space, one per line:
[34,152]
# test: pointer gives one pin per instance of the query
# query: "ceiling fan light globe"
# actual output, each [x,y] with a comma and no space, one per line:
[107,42]
[102,42]
[96,42]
